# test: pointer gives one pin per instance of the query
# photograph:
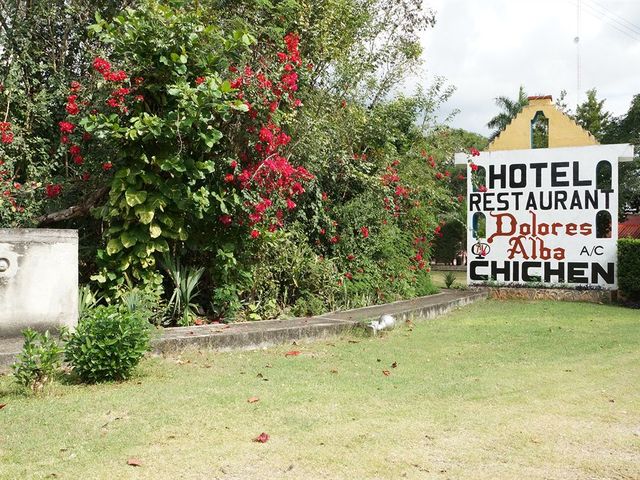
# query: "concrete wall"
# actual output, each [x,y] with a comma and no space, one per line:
[38,279]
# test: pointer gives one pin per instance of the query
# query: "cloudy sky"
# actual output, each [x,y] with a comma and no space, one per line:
[488,48]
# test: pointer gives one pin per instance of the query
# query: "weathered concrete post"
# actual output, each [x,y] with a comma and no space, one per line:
[38,279]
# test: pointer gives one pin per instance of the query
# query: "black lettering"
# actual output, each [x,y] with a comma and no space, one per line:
[557,272]
[522,182]
[538,169]
[576,273]
[473,274]
[494,176]
[525,271]
[576,176]
[556,174]
[504,204]
[474,201]
[607,275]
[504,271]
[561,198]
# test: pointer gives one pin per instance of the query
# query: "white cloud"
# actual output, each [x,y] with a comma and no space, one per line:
[488,48]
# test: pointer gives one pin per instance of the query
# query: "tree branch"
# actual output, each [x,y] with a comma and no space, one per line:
[75,211]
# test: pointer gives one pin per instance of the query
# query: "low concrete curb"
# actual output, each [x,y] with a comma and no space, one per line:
[254,335]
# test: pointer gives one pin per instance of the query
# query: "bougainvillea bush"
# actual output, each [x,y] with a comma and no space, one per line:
[218,142]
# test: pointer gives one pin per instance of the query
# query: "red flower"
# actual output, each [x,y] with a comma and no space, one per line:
[473,166]
[460,198]
[66,127]
[262,438]
[255,234]
[364,231]
[74,150]
[438,175]
[102,65]
[282,57]
[72,109]
[4,126]
[297,103]
[75,86]
[474,152]
[350,257]
[200,80]
[107,166]
[119,76]
[53,191]
[86,176]
[233,164]
[86,136]
[325,197]
[265,135]
[322,231]
[225,220]
[78,160]
[7,137]
[291,204]
[233,69]
[229,178]
[335,239]
[482,188]
[348,275]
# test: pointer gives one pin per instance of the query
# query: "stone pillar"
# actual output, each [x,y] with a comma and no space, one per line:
[38,279]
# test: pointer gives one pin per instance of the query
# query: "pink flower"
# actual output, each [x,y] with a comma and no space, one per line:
[474,152]
[290,204]
[255,233]
[364,231]
[107,166]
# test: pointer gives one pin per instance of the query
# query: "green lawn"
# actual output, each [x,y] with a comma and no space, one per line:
[497,390]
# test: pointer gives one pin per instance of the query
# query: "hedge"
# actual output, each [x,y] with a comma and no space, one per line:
[629,267]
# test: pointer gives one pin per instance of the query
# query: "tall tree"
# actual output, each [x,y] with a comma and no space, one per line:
[626,129]
[592,116]
[510,108]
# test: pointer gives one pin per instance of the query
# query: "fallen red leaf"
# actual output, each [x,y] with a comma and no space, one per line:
[394,364]
[134,462]
[293,353]
[2,405]
[262,438]
[386,373]
[253,399]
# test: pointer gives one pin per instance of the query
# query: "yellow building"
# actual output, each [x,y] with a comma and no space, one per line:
[540,125]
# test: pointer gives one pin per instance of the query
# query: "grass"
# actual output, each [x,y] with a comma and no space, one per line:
[497,390]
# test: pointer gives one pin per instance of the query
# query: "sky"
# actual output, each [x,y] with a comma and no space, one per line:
[488,48]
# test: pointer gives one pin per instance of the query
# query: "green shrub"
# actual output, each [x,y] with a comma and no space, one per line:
[449,279]
[108,344]
[629,267]
[38,361]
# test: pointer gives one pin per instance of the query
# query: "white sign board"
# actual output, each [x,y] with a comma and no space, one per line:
[544,215]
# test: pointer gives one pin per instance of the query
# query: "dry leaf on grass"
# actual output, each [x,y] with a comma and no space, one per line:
[386,373]
[2,405]
[253,399]
[134,462]
[292,353]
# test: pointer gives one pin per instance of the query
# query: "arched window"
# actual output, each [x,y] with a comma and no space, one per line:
[603,175]
[479,225]
[539,131]
[603,224]
[479,179]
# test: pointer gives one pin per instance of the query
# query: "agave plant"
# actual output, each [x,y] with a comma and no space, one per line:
[185,282]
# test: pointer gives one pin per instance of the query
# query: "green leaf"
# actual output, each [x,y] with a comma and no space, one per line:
[135,197]
[128,239]
[154,230]
[145,215]
[114,246]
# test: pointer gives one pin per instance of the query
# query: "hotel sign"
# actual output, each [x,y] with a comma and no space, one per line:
[544,215]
